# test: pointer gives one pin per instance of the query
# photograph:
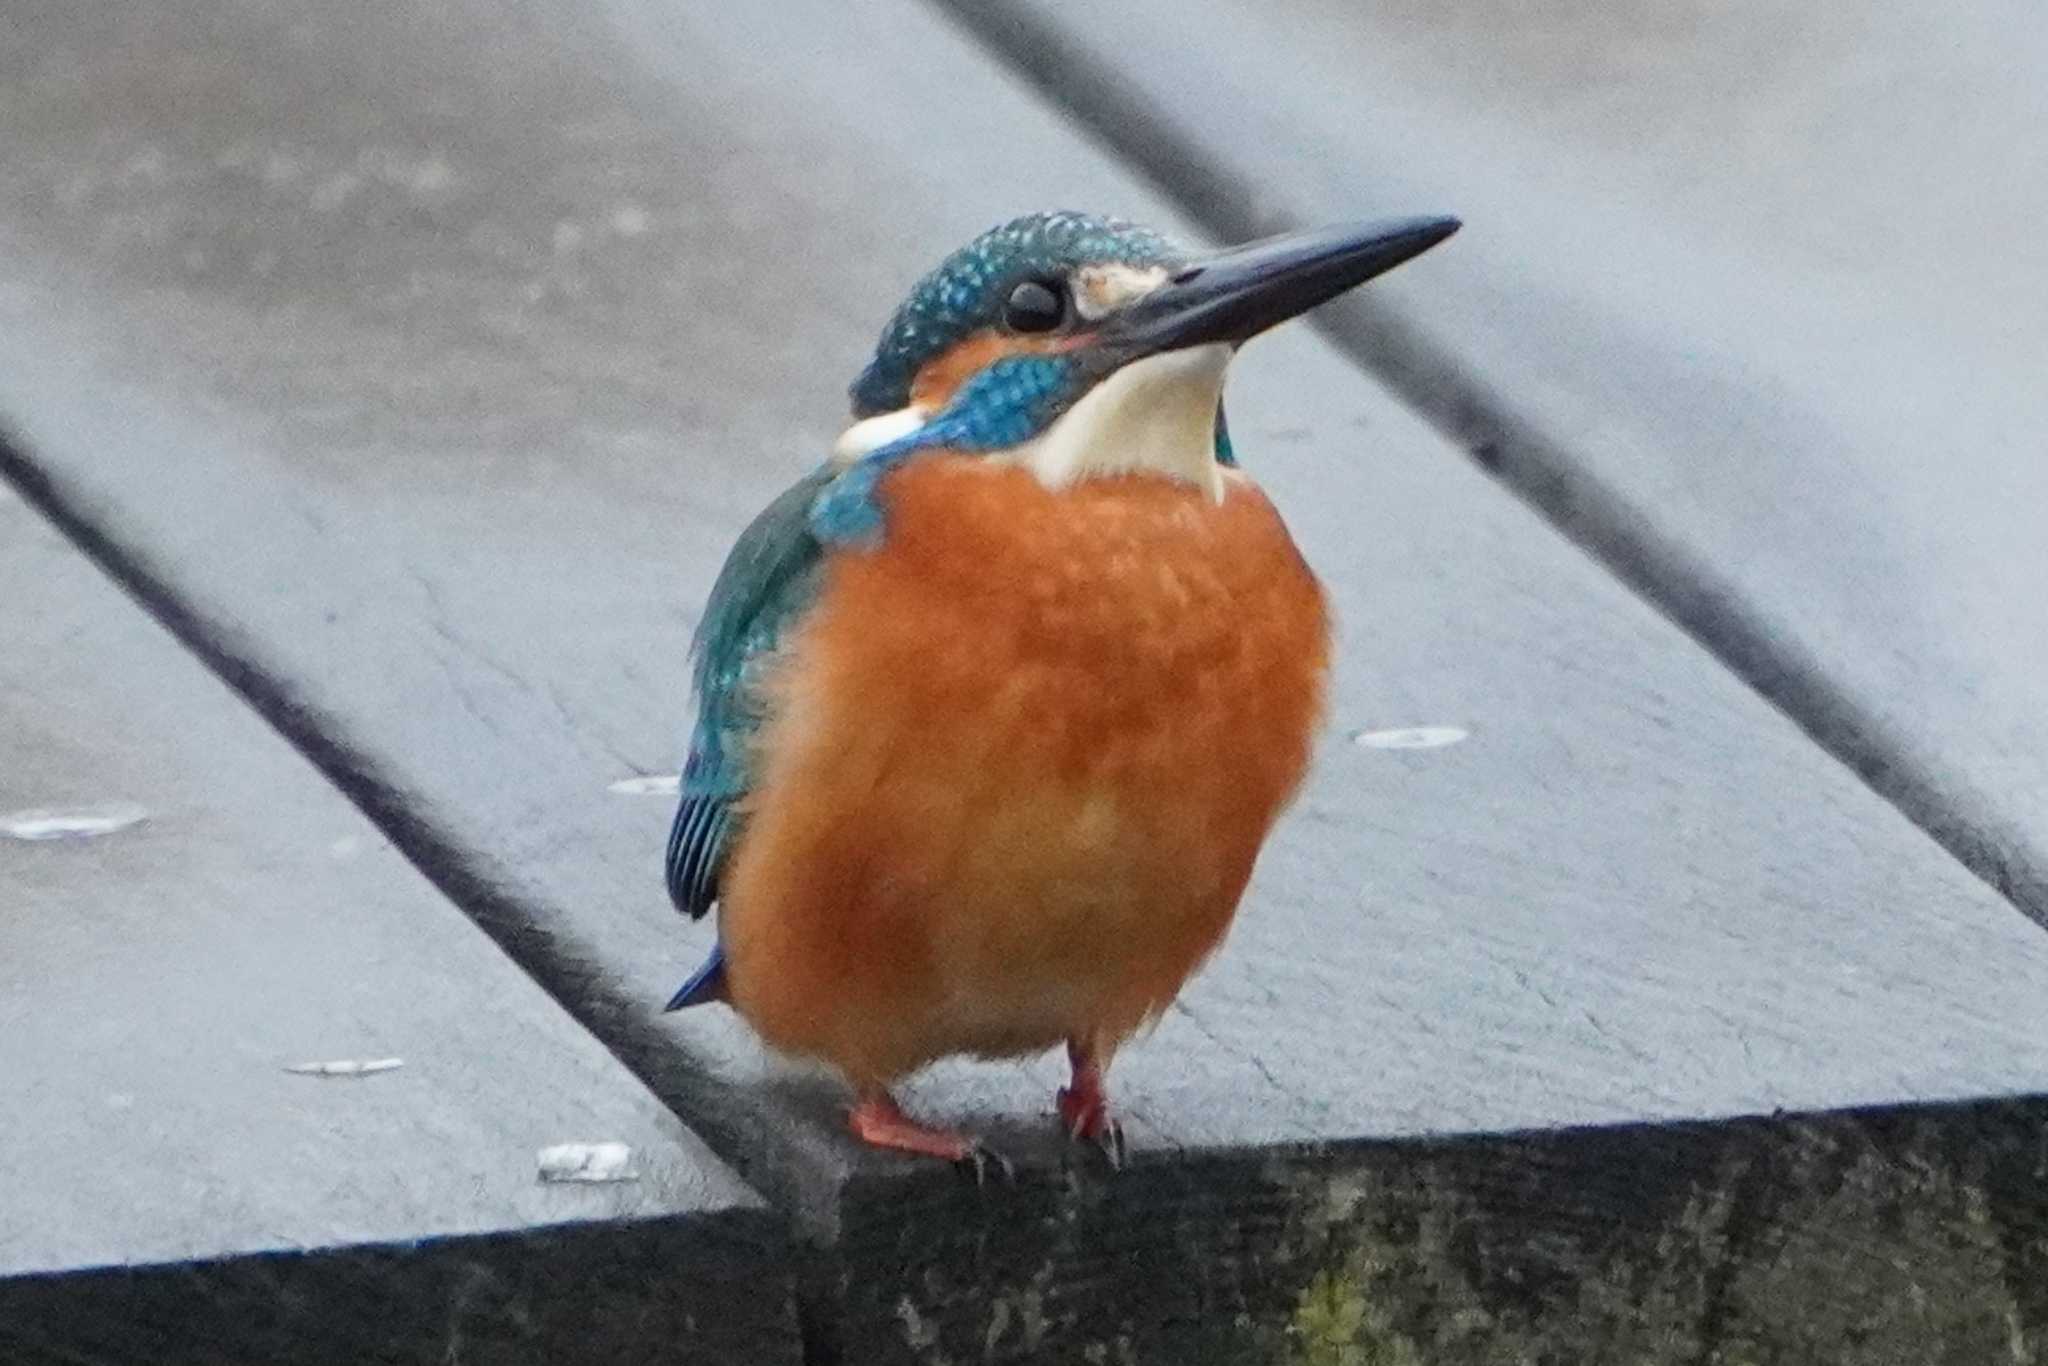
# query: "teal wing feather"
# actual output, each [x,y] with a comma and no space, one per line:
[769,582]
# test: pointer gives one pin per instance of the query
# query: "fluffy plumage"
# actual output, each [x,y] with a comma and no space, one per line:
[996,713]
[1018,764]
[940,343]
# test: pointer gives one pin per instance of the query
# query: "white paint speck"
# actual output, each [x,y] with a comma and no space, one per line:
[630,220]
[649,785]
[348,846]
[346,1067]
[1411,737]
[586,1162]
[71,822]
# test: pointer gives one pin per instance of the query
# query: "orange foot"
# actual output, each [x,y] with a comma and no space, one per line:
[1084,1107]
[878,1120]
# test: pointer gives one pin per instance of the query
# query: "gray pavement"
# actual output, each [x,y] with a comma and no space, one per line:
[239,919]
[1749,300]
[431,389]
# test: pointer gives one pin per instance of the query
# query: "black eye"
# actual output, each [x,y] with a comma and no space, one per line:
[1035,306]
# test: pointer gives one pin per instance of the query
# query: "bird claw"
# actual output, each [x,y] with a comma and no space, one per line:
[1111,1143]
[1086,1119]
[877,1120]
[980,1160]
[1107,1138]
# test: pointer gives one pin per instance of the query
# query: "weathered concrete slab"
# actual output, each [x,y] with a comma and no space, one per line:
[1871,1238]
[169,1190]
[433,388]
[1750,299]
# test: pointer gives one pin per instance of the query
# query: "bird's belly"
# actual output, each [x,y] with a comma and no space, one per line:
[1068,910]
[1021,764]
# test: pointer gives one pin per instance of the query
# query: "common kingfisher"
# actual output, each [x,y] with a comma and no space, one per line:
[997,705]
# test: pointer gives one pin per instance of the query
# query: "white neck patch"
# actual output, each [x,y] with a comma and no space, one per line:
[873,433]
[1153,416]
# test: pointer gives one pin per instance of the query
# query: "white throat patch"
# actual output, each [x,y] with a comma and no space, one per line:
[1156,416]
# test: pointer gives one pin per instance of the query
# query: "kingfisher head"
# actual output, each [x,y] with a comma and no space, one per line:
[1085,346]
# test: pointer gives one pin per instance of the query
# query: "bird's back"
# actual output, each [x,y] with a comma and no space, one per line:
[1020,760]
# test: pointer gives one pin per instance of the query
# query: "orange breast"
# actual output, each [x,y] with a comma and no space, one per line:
[1023,758]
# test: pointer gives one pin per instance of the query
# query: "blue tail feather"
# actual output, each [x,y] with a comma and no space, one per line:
[706,984]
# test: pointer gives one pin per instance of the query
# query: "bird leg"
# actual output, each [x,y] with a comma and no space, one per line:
[1084,1106]
[877,1119]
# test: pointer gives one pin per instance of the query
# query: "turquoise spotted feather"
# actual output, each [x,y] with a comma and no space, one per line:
[769,580]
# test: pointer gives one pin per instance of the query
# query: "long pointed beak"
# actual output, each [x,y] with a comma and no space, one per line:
[1238,293]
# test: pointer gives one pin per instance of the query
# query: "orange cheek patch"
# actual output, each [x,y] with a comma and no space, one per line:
[944,373]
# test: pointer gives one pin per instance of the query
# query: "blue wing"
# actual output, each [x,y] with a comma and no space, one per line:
[769,581]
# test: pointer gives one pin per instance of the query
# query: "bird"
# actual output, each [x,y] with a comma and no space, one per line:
[997,705]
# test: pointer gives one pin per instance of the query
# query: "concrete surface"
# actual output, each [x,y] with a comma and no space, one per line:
[1857,1238]
[1749,299]
[423,364]
[157,983]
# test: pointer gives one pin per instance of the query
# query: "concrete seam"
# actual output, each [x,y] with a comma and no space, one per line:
[555,963]
[1529,463]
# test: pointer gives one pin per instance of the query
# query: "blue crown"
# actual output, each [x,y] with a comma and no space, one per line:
[966,293]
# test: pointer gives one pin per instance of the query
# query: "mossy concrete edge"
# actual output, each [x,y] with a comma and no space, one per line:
[1906,1234]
